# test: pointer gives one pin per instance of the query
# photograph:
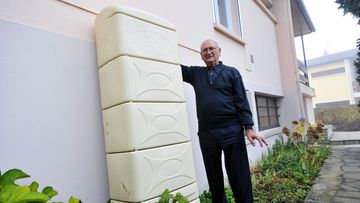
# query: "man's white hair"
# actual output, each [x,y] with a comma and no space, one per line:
[209,40]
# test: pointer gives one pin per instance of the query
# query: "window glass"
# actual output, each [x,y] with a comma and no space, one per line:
[272,111]
[272,102]
[264,121]
[262,111]
[227,14]
[261,101]
[222,13]
[274,120]
[235,16]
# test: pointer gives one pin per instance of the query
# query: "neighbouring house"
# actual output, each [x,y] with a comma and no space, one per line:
[333,76]
[51,121]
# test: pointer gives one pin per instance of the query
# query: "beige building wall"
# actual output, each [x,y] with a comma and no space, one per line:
[333,80]
[331,88]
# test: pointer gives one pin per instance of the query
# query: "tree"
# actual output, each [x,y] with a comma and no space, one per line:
[353,7]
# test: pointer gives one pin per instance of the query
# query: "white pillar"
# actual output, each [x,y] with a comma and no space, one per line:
[349,77]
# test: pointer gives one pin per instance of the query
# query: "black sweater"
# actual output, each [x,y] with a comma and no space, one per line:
[222,103]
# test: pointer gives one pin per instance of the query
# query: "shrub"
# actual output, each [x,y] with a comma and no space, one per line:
[302,131]
[344,118]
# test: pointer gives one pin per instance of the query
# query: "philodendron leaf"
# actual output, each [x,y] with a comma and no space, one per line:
[34,186]
[49,191]
[11,193]
[11,175]
[74,200]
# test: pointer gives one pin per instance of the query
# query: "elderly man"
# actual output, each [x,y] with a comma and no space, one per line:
[223,114]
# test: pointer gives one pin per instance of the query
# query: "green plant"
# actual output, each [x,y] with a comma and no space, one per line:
[166,197]
[10,192]
[302,131]
[205,197]
[229,195]
[287,172]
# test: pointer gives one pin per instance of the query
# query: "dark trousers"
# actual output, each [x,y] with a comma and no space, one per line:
[231,141]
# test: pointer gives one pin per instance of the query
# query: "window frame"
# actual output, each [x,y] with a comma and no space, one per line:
[229,20]
[267,106]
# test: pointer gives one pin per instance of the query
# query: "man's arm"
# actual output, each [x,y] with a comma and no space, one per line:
[187,74]
[241,102]
[245,114]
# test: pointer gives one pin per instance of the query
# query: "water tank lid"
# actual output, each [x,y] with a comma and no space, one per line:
[110,11]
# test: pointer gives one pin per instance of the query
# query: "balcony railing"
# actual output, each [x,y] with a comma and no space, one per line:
[304,79]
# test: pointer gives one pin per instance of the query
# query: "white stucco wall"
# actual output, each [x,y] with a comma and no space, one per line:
[50,120]
[260,34]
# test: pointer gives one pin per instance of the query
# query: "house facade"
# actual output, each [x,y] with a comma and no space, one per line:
[51,120]
[333,76]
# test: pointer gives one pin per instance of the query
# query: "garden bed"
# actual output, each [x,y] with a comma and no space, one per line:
[287,172]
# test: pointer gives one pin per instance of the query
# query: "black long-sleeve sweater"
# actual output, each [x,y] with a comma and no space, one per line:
[222,103]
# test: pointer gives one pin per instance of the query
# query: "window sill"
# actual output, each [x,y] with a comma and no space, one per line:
[271,132]
[228,33]
[266,10]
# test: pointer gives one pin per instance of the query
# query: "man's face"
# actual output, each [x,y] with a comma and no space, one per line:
[210,53]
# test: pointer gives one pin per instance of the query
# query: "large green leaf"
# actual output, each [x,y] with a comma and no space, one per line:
[21,194]
[11,175]
[13,193]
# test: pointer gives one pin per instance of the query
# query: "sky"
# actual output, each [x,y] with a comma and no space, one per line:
[334,32]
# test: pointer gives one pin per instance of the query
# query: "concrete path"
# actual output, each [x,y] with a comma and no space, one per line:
[345,138]
[339,179]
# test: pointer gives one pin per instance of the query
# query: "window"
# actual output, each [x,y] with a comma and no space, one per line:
[227,13]
[267,112]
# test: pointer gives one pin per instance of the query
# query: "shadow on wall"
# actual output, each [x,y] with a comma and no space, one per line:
[343,118]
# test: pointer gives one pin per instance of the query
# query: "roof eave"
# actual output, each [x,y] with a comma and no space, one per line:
[301,20]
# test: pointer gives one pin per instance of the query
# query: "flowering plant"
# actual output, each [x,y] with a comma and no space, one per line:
[301,131]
